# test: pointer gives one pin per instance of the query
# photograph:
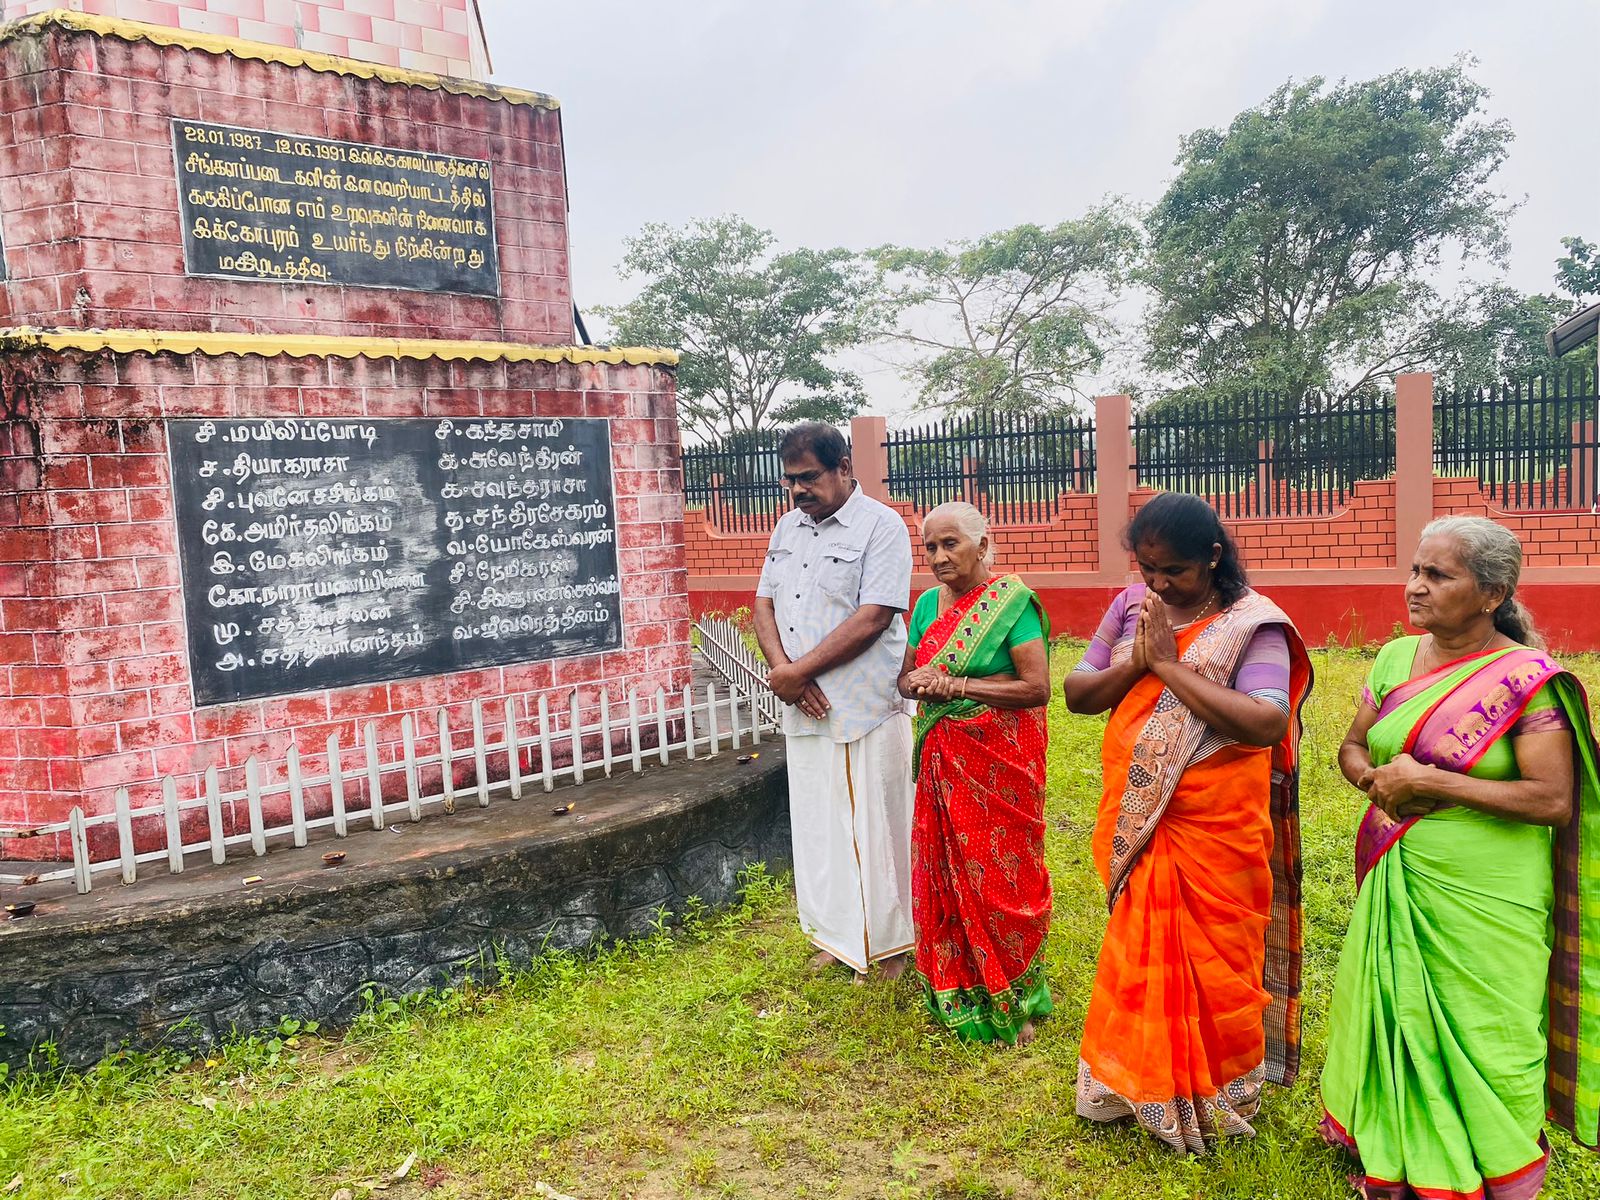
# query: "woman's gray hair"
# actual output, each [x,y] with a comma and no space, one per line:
[1494,556]
[972,523]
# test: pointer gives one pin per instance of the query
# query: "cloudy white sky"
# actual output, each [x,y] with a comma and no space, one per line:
[834,122]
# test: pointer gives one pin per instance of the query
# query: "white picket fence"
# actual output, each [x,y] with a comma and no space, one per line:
[683,724]
[722,645]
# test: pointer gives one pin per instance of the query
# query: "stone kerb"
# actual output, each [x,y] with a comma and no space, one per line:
[92,616]
[186,960]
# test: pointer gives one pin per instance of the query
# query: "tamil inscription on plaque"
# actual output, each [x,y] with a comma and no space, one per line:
[284,208]
[324,553]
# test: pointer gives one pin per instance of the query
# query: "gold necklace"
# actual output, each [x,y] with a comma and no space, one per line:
[1433,646]
[1205,608]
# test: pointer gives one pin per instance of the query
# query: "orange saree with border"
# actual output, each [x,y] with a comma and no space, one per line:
[1195,1001]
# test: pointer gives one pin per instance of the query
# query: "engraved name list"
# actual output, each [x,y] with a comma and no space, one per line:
[324,553]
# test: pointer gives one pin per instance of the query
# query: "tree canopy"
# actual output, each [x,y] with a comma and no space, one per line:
[1578,270]
[1012,320]
[1293,251]
[756,328]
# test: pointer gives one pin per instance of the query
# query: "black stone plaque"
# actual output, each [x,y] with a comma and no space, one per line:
[283,208]
[323,553]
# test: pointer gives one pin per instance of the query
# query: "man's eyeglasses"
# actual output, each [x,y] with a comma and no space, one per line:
[803,480]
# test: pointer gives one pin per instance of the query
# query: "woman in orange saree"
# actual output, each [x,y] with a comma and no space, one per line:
[1196,997]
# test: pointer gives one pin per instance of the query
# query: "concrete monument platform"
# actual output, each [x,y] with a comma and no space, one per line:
[183,960]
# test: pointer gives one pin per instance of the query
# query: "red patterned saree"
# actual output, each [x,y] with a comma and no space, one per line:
[980,893]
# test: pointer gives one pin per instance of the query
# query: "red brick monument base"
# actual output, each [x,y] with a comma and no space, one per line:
[289,440]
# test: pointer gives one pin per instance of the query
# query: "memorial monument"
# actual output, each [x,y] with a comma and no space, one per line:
[295,435]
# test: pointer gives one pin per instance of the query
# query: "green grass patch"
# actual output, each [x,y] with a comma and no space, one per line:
[706,1062]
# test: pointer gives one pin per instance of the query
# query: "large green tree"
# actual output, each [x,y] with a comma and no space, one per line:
[757,329]
[1012,320]
[1295,249]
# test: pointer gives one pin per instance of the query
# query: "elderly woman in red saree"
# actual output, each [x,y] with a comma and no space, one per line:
[1467,1001]
[1196,997]
[977,659]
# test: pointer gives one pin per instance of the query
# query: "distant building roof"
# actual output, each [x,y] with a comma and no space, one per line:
[1573,332]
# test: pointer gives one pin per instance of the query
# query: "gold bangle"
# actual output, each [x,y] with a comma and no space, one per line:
[963,687]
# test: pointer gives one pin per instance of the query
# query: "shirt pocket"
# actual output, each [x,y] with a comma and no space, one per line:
[839,572]
[775,571]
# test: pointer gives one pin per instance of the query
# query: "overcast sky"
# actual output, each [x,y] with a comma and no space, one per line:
[854,124]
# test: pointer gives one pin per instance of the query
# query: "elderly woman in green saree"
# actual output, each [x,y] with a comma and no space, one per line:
[1467,1001]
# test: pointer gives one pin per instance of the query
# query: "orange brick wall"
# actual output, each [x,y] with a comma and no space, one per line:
[1549,539]
[443,37]
[1360,535]
[1357,536]
[1338,575]
[1066,543]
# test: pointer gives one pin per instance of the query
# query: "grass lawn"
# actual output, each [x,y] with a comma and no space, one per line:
[708,1063]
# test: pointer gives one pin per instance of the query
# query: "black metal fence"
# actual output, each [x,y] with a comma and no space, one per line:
[1261,454]
[738,481]
[1531,444]
[1015,468]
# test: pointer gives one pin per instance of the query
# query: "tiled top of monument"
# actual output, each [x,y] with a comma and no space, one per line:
[443,36]
[261,51]
[128,341]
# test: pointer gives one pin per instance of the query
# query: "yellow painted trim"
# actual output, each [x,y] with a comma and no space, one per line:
[166,35]
[269,345]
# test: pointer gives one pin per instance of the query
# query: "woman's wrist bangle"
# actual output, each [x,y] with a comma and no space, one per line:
[963,687]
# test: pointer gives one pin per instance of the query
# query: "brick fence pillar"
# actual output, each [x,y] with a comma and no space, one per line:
[1413,462]
[1113,481]
[870,456]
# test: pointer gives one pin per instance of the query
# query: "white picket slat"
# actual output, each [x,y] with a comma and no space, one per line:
[544,743]
[575,726]
[83,878]
[297,798]
[633,731]
[169,811]
[336,786]
[219,846]
[480,755]
[513,751]
[374,775]
[130,872]
[408,747]
[447,774]
[688,719]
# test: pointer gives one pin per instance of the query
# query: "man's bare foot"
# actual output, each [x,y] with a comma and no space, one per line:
[1026,1034]
[892,968]
[821,961]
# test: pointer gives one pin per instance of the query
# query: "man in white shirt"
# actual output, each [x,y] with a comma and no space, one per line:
[829,618]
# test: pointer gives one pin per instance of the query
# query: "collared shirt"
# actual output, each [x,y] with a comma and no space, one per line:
[817,574]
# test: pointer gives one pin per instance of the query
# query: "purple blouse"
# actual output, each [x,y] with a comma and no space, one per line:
[1263,669]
